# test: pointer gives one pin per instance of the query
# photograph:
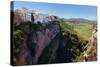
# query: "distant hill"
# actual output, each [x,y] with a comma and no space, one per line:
[80,20]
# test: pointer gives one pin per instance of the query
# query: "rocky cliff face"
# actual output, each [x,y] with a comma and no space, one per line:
[36,37]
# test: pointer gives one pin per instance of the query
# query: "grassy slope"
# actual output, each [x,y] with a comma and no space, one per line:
[67,27]
[83,30]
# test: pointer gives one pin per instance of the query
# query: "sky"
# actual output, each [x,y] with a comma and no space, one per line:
[62,10]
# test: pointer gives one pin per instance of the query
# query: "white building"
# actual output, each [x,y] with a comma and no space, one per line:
[24,14]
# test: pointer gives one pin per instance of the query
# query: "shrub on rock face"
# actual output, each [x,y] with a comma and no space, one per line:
[18,41]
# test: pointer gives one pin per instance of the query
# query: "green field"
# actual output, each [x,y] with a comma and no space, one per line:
[83,30]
